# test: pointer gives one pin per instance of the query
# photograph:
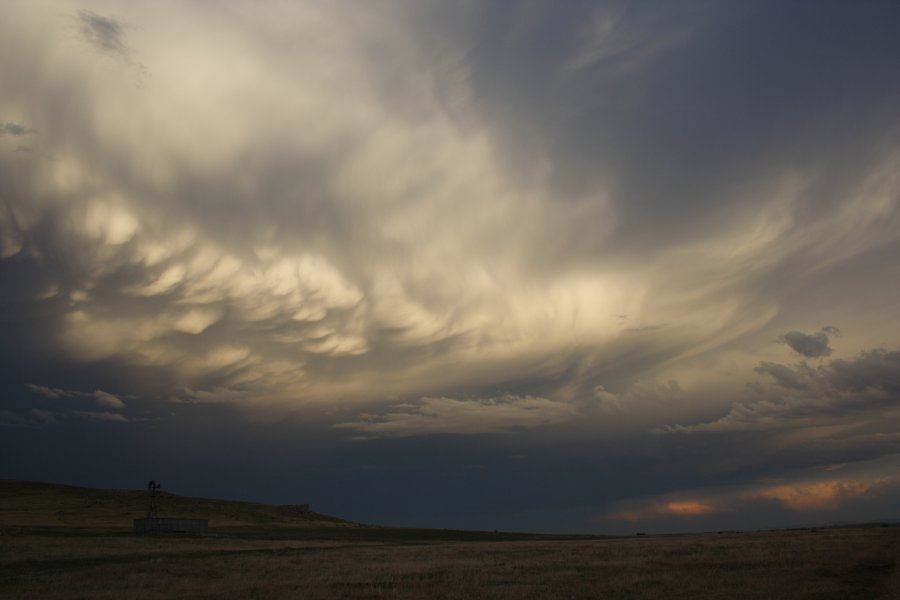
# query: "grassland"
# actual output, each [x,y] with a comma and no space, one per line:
[63,542]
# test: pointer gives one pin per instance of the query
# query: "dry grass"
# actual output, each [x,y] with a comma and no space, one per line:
[261,554]
[839,564]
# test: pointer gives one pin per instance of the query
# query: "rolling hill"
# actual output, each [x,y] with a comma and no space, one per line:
[34,504]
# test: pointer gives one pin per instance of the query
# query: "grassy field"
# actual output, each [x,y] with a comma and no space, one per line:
[63,542]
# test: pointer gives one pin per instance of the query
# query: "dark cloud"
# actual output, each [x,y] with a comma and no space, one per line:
[812,345]
[877,369]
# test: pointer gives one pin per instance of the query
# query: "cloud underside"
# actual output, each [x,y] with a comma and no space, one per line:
[304,206]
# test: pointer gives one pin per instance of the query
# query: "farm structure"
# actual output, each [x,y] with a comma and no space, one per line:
[154,524]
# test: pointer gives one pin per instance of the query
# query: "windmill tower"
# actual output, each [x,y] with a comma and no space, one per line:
[151,491]
[154,524]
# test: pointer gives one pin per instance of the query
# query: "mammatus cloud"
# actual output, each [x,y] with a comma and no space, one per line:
[813,345]
[262,253]
[462,416]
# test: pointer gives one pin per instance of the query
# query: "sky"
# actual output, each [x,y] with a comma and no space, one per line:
[596,267]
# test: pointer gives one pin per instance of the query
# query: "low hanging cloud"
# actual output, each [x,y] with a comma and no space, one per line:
[462,416]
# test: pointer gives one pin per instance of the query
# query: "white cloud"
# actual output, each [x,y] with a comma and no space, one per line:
[108,400]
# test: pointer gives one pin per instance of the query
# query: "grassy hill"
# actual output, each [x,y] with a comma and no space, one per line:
[27,504]
[32,504]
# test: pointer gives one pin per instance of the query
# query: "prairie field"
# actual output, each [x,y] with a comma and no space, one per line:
[321,557]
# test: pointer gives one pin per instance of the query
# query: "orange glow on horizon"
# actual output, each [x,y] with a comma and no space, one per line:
[676,508]
[688,508]
[822,495]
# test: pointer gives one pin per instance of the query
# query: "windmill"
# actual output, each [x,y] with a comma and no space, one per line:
[154,524]
[151,491]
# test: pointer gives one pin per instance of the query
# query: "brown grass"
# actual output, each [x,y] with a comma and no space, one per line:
[286,560]
[834,563]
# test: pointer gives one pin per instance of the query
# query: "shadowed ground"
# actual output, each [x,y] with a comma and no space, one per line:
[262,552]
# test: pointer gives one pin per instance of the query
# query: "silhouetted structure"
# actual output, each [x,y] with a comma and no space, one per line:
[151,490]
[154,524]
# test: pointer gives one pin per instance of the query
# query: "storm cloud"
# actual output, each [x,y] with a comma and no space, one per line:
[597,236]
